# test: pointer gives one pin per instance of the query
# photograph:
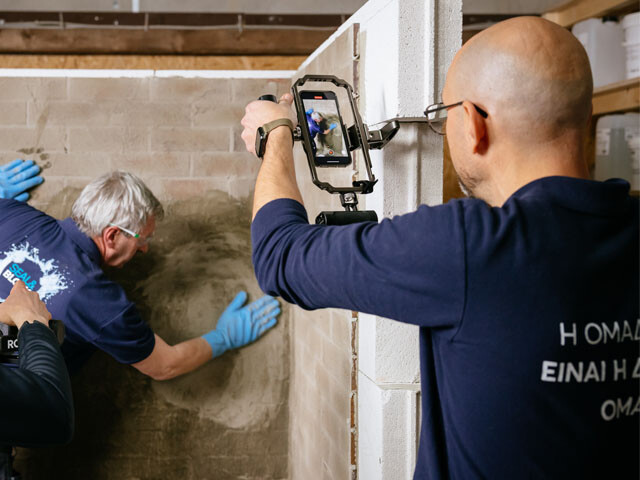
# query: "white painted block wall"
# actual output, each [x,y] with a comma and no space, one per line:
[406,47]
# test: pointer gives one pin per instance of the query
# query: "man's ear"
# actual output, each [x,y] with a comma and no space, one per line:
[475,129]
[109,235]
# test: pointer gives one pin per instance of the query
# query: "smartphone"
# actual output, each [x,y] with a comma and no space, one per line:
[326,130]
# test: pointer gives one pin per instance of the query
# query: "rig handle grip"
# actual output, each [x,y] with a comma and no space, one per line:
[268,98]
[346,218]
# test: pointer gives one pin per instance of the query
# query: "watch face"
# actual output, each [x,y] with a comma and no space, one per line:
[261,138]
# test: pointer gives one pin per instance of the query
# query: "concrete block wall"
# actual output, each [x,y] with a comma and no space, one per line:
[322,379]
[181,134]
[405,47]
[229,419]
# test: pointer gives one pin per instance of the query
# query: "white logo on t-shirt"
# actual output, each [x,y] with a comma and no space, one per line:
[52,280]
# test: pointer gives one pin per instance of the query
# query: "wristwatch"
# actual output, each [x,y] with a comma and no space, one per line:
[263,133]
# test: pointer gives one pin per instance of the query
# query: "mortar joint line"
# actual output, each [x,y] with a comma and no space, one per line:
[410,387]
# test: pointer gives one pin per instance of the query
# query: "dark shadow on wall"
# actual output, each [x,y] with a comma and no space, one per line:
[227,420]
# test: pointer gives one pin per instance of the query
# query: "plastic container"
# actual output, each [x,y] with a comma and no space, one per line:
[631,26]
[613,155]
[632,136]
[602,39]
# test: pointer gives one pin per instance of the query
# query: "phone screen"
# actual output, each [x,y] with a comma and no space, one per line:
[326,130]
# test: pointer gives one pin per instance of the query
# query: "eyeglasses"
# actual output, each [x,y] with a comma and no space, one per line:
[437,115]
[139,240]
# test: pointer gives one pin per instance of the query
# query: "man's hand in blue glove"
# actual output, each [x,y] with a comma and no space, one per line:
[331,127]
[239,326]
[17,177]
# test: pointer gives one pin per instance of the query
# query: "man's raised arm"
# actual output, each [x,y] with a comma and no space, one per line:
[277,176]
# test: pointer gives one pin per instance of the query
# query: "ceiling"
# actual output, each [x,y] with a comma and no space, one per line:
[291,7]
[197,27]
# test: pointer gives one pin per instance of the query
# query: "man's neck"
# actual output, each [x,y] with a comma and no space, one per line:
[532,165]
[100,244]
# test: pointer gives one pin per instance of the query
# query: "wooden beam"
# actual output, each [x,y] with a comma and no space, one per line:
[577,10]
[154,62]
[56,18]
[254,41]
[622,96]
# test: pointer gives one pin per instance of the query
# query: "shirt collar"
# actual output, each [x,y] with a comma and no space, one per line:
[85,243]
[600,198]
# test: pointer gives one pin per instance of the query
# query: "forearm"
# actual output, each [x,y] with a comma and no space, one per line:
[238,326]
[170,361]
[188,356]
[277,176]
[36,398]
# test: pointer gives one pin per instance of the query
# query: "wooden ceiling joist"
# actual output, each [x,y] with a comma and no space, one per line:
[162,42]
[154,62]
[163,34]
[156,19]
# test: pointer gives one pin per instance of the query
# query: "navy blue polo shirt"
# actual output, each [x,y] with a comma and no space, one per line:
[528,313]
[62,264]
[314,128]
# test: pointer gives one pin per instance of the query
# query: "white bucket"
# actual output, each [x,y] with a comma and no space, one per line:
[631,26]
[632,136]
[603,42]
[633,59]
[613,155]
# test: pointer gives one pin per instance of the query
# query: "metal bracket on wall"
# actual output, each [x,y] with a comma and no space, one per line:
[377,139]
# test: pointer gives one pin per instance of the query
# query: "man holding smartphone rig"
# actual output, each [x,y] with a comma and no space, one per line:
[529,361]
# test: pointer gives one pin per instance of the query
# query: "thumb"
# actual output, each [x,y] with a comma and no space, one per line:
[23,197]
[237,302]
[286,98]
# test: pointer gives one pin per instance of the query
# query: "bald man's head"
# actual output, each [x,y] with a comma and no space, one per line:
[531,75]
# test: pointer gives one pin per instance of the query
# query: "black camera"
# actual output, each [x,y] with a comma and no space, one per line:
[9,352]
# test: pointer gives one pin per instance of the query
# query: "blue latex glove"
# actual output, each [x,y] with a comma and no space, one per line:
[18,176]
[309,111]
[239,326]
[332,126]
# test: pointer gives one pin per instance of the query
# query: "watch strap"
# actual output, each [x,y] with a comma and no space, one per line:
[267,127]
[263,133]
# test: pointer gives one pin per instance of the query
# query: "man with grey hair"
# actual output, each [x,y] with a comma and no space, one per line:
[113,218]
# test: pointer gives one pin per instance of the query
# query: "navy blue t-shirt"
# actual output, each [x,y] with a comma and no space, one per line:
[62,264]
[529,316]
[314,128]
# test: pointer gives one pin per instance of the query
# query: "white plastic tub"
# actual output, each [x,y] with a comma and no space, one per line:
[631,26]
[613,158]
[632,136]
[603,42]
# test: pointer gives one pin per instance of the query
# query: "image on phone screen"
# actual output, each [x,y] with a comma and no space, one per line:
[327,133]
